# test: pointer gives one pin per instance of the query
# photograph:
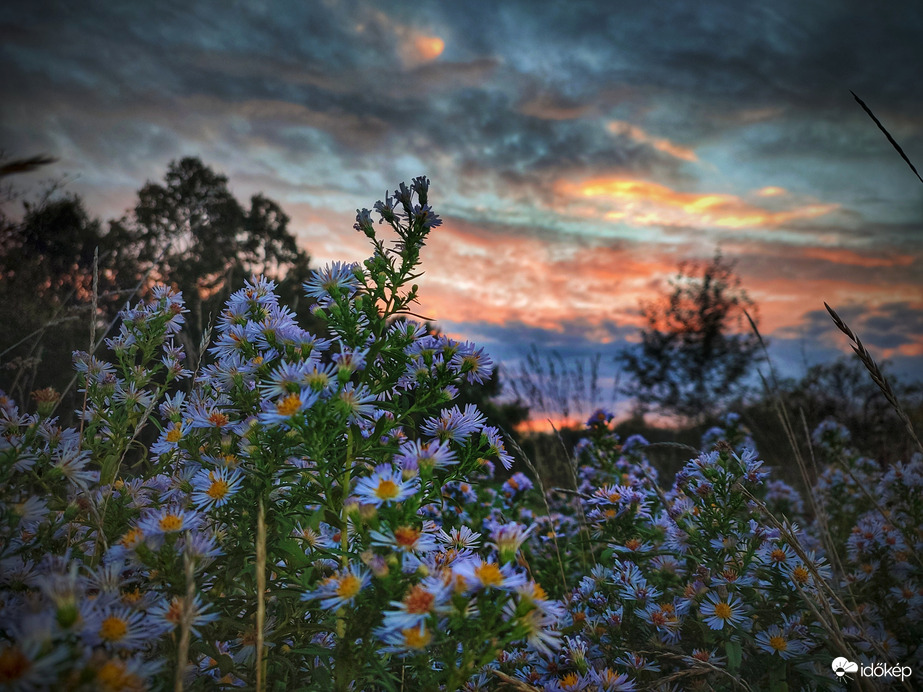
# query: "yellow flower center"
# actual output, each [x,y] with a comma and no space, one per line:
[569,680]
[723,611]
[778,555]
[218,489]
[289,406]
[113,676]
[778,643]
[171,522]
[132,538]
[489,574]
[800,575]
[415,638]
[387,489]
[349,586]
[131,597]
[175,434]
[113,629]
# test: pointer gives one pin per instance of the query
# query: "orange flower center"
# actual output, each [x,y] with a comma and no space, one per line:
[132,538]
[13,664]
[218,419]
[218,489]
[407,536]
[778,555]
[175,613]
[131,597]
[113,676]
[419,600]
[800,575]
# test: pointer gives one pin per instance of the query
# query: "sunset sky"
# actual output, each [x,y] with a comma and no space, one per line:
[577,150]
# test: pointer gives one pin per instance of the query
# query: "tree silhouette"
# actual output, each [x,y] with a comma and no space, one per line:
[47,289]
[192,232]
[696,348]
[189,231]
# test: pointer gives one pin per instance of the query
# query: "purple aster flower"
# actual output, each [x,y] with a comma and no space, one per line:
[718,611]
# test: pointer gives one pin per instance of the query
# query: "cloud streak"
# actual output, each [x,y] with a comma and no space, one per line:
[576,160]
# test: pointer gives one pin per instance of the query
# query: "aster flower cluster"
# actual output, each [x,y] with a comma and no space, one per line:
[721,576]
[333,468]
[315,511]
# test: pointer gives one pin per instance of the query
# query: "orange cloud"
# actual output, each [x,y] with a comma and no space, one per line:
[843,256]
[413,45]
[427,48]
[548,107]
[620,127]
[645,203]
[770,191]
[474,275]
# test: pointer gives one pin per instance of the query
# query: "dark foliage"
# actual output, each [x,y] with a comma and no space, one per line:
[189,232]
[696,349]
[192,233]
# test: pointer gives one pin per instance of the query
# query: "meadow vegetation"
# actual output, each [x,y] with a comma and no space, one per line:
[335,499]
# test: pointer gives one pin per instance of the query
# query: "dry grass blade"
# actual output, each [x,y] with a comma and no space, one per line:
[887,134]
[541,487]
[578,506]
[697,668]
[877,377]
[827,619]
[512,683]
[671,445]
[182,650]
[141,282]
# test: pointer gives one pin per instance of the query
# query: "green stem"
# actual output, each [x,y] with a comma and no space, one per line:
[260,591]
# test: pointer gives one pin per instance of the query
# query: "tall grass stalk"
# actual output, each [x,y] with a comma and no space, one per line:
[182,649]
[260,592]
[544,494]
[875,372]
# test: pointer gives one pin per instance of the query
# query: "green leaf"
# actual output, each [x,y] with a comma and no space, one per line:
[777,672]
[734,654]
